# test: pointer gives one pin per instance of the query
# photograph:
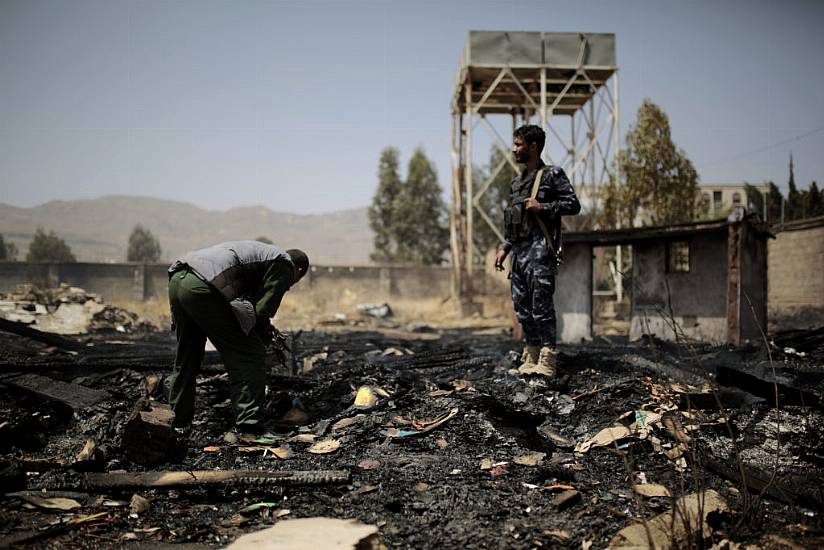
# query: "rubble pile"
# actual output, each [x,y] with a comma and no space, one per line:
[419,440]
[67,310]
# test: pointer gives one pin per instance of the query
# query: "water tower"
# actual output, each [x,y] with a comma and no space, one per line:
[565,82]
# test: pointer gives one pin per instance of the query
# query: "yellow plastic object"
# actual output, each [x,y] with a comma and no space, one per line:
[365,398]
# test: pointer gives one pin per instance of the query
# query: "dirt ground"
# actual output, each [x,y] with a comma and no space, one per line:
[456,450]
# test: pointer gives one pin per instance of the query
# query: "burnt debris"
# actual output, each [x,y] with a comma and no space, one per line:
[436,442]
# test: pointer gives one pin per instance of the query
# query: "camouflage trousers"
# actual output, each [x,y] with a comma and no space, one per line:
[533,284]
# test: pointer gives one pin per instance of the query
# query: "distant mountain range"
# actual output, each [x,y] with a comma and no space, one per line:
[97,230]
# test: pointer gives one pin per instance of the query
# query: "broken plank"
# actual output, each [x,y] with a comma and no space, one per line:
[52,531]
[761,381]
[46,337]
[806,491]
[73,396]
[729,398]
[172,479]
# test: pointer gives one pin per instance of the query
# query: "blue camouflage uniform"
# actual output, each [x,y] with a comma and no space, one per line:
[534,264]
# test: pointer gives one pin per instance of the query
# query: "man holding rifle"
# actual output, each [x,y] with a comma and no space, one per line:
[539,196]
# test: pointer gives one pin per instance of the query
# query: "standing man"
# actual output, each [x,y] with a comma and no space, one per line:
[228,293]
[539,196]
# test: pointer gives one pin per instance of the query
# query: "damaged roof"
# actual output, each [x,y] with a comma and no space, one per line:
[675,231]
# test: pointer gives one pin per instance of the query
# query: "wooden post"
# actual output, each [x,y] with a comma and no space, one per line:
[734,283]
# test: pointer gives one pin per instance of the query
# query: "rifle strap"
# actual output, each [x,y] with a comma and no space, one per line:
[541,223]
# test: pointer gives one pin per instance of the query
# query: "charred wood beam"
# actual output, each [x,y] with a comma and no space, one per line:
[759,380]
[801,490]
[74,396]
[47,338]
[54,531]
[174,479]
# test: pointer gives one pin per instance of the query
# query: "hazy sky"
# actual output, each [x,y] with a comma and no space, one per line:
[288,104]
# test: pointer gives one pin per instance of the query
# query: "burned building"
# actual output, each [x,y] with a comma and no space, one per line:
[705,281]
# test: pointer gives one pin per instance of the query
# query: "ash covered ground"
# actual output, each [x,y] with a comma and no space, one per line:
[451,448]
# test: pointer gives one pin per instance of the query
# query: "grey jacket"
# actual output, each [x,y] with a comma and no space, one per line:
[236,269]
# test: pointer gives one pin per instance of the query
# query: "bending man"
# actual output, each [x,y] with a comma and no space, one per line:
[228,293]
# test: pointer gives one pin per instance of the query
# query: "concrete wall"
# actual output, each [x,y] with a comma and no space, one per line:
[111,281]
[697,298]
[796,282]
[573,294]
[140,282]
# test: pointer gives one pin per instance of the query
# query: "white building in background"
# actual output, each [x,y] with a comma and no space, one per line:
[719,198]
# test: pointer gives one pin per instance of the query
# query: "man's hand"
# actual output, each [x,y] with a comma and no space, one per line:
[499,259]
[532,205]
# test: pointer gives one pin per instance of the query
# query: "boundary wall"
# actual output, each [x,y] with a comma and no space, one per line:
[796,275]
[795,283]
[138,282]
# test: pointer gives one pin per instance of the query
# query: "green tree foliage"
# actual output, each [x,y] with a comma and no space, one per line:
[494,200]
[774,199]
[813,201]
[49,248]
[420,227]
[382,211]
[408,218]
[794,208]
[3,249]
[143,246]
[11,252]
[799,204]
[658,183]
[265,240]
[754,198]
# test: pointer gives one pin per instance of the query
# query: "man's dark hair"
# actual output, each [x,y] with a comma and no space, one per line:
[300,259]
[531,133]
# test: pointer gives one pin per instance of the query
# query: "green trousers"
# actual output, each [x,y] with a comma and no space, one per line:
[199,312]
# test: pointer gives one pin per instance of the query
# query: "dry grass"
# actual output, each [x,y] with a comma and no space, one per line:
[307,310]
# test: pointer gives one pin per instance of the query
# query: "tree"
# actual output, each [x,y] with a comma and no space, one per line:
[420,229]
[774,200]
[658,183]
[813,201]
[794,209]
[265,240]
[754,199]
[408,217]
[495,199]
[143,246]
[4,250]
[49,248]
[382,211]
[11,252]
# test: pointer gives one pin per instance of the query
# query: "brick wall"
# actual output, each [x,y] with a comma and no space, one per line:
[796,275]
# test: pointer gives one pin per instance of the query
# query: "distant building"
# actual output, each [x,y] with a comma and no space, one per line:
[718,199]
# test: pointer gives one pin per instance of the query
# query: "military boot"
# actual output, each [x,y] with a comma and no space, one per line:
[529,359]
[548,362]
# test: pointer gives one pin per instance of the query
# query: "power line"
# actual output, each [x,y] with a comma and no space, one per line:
[767,148]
